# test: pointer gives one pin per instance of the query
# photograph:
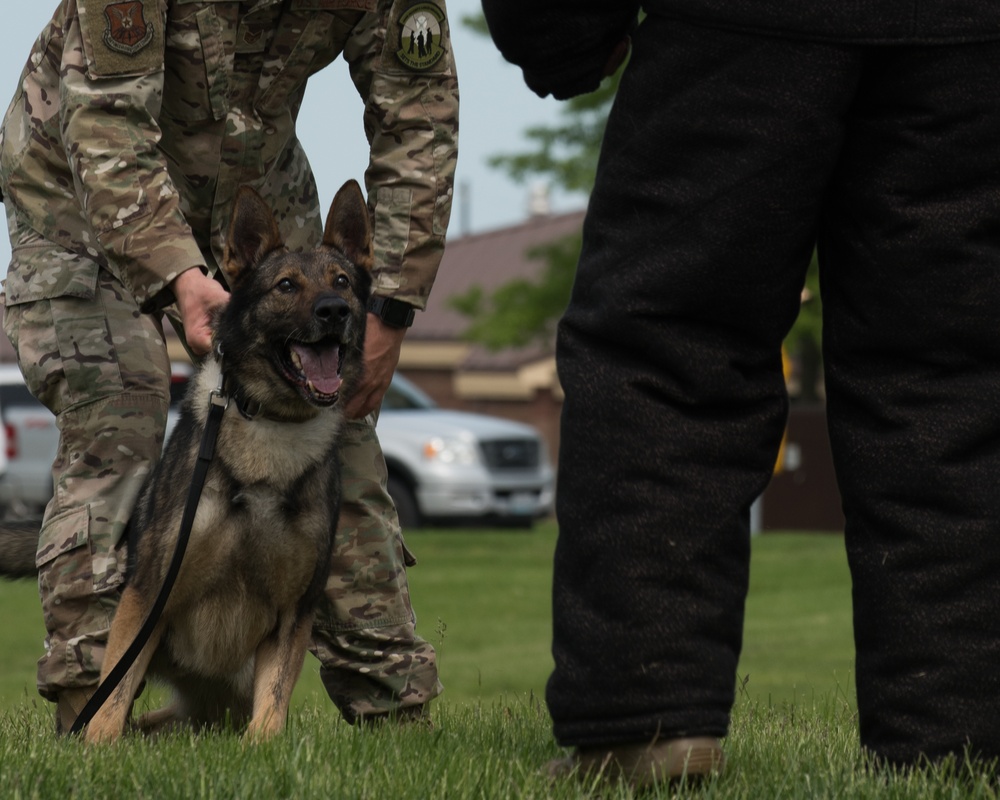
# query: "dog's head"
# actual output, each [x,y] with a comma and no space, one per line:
[293,331]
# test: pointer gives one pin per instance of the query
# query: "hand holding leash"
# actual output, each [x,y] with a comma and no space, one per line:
[198,298]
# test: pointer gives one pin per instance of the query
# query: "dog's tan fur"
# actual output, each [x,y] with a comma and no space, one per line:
[234,632]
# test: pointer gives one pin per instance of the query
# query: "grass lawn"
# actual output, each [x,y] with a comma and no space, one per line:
[798,644]
[483,600]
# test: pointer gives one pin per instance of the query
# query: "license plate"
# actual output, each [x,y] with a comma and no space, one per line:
[522,503]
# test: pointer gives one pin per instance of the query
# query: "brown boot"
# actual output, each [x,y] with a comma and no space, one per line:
[69,705]
[643,765]
[408,715]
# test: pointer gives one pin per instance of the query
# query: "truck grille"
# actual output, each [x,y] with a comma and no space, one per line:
[511,453]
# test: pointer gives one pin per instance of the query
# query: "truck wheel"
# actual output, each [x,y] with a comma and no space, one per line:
[405,502]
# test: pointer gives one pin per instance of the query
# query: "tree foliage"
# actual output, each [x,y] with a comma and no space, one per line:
[523,312]
[566,155]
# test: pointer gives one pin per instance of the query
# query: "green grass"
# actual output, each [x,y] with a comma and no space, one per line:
[473,751]
[798,643]
[483,600]
[490,592]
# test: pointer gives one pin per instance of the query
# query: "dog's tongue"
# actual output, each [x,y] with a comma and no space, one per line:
[319,365]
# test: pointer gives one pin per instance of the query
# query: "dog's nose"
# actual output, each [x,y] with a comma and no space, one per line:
[330,307]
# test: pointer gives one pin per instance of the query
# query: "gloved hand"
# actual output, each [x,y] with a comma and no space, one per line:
[573,80]
[564,47]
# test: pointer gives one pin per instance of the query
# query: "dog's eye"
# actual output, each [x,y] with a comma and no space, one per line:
[286,285]
[342,282]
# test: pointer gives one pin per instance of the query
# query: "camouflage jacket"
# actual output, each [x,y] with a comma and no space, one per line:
[136,120]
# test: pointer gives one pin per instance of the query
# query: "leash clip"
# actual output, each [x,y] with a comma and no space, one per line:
[218,397]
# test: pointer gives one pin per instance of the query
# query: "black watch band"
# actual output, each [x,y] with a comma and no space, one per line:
[394,313]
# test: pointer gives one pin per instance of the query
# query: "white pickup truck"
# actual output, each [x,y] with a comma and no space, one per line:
[453,465]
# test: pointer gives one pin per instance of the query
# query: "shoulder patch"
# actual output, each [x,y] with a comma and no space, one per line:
[421,28]
[127,31]
[122,37]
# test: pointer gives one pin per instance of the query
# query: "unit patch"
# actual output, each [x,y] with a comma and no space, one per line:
[420,38]
[251,37]
[127,30]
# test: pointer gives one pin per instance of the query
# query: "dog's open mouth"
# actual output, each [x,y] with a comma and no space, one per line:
[315,370]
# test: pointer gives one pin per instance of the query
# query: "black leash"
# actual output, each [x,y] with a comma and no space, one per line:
[217,406]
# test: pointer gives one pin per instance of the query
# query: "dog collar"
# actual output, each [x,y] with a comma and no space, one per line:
[248,408]
[230,390]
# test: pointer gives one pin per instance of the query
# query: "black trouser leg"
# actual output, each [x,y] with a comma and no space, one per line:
[910,259]
[700,228]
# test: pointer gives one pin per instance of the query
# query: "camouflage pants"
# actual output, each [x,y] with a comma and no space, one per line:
[372,660]
[102,368]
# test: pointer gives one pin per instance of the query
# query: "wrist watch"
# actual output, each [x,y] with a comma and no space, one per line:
[394,313]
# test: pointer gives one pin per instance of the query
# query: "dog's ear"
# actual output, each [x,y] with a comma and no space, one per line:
[348,226]
[253,233]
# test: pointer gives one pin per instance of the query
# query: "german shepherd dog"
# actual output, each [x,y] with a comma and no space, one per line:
[233,635]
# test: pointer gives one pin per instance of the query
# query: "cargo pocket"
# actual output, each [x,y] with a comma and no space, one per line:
[196,78]
[89,359]
[392,234]
[308,54]
[65,565]
[69,570]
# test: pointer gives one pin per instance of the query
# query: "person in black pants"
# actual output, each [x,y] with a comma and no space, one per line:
[743,135]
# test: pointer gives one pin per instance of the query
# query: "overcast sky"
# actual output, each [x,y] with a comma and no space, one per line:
[496,109]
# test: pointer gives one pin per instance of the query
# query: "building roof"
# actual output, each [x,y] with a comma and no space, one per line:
[487,260]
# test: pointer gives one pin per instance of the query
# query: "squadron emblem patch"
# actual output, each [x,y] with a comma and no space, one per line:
[420,38]
[127,30]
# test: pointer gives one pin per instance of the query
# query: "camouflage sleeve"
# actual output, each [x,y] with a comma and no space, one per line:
[110,89]
[402,63]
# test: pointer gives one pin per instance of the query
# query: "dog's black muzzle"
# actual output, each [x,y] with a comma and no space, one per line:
[331,310]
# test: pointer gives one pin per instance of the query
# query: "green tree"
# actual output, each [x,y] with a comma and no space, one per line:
[525,312]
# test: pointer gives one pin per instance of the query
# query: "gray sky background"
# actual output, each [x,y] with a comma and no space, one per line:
[496,109]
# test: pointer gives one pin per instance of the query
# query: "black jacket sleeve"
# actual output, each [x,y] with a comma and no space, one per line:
[561,46]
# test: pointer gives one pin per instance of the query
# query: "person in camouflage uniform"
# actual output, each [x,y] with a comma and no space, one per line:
[134,123]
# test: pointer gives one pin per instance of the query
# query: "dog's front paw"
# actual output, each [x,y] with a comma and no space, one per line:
[102,731]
